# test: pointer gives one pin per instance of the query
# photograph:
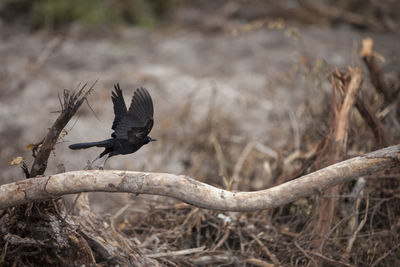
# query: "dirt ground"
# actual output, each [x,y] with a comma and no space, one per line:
[254,84]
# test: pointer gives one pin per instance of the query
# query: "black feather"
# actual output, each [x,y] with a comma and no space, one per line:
[131,127]
[138,122]
[120,110]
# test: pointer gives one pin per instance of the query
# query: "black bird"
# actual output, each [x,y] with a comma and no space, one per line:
[131,127]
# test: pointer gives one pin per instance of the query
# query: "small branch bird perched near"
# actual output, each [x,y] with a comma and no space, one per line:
[131,127]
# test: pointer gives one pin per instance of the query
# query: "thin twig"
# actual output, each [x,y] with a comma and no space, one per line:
[259,263]
[177,253]
[360,226]
[387,253]
[239,164]
[305,253]
[221,160]
[222,240]
[331,260]
[266,250]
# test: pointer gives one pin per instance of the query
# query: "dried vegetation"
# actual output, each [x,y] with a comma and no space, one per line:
[354,224]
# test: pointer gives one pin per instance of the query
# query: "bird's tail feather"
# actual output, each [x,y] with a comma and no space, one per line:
[104,143]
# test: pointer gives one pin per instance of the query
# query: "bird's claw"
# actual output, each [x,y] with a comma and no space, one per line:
[100,167]
[89,165]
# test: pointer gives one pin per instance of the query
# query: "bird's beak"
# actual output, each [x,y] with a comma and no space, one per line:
[152,140]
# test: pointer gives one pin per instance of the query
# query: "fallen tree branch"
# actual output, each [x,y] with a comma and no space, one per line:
[192,191]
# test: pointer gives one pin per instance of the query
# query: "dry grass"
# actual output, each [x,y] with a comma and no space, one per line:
[366,224]
[365,229]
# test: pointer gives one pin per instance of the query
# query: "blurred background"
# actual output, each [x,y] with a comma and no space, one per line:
[235,72]
[222,74]
[234,83]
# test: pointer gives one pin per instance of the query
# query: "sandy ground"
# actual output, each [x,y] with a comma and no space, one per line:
[259,80]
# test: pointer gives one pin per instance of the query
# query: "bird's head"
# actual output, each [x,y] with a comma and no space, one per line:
[148,139]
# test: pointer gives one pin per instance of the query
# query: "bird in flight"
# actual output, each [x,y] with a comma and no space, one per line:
[131,127]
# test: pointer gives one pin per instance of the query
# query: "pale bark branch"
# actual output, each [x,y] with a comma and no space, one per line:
[337,152]
[194,192]
[343,116]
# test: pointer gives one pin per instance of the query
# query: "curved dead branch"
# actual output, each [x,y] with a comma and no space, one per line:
[192,191]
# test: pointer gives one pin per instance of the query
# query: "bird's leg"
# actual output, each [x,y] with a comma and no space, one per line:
[99,156]
[101,167]
[90,163]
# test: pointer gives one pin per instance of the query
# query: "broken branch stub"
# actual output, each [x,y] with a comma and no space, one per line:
[70,105]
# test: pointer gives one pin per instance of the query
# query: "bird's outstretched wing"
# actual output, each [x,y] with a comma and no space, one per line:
[120,110]
[138,123]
